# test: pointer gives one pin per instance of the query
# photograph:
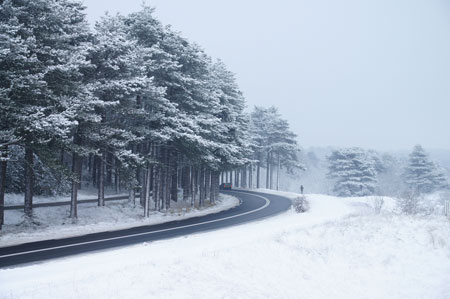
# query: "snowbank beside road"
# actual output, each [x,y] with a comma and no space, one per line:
[340,248]
[54,223]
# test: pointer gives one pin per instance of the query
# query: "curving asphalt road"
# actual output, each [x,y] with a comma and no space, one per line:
[253,206]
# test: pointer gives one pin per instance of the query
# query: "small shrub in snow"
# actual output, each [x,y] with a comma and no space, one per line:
[445,201]
[409,202]
[300,204]
[378,204]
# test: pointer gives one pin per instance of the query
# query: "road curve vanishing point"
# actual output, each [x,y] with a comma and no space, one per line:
[253,206]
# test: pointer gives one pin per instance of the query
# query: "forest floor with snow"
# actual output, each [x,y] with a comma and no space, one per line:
[54,222]
[340,248]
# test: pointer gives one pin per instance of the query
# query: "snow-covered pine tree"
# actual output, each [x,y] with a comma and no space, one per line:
[259,138]
[180,69]
[421,174]
[195,130]
[230,134]
[68,82]
[116,80]
[39,63]
[440,178]
[273,142]
[285,150]
[353,171]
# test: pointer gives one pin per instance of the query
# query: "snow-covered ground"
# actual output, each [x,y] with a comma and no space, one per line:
[17,199]
[54,223]
[341,248]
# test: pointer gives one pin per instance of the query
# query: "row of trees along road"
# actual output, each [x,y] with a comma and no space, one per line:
[130,104]
[355,172]
[273,146]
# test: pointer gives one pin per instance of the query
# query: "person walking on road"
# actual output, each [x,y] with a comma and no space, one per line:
[301,189]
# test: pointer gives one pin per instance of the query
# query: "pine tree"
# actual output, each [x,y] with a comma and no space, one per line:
[39,67]
[203,129]
[422,174]
[116,80]
[353,171]
[274,142]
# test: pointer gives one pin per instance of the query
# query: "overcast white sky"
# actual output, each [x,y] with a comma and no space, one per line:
[374,73]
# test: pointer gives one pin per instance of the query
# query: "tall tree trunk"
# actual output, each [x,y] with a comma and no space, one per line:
[76,180]
[90,164]
[109,161]
[192,186]
[132,196]
[139,176]
[207,183]
[258,171]
[101,180]
[156,179]
[244,176]
[143,194]
[74,195]
[80,171]
[202,187]
[268,170]
[144,173]
[250,176]
[29,180]
[278,172]
[168,186]
[211,187]
[179,172]
[195,177]
[61,157]
[161,187]
[174,178]
[152,178]
[231,177]
[271,170]
[117,175]
[216,187]
[168,175]
[147,191]
[185,182]
[3,165]
[222,178]
[163,178]
[196,183]
[94,172]
[156,187]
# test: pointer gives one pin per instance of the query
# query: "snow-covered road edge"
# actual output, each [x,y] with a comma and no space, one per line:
[93,219]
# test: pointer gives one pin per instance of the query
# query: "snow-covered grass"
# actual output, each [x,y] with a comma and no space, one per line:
[54,223]
[340,248]
[86,193]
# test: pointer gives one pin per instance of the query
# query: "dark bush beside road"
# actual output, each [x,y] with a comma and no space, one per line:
[300,204]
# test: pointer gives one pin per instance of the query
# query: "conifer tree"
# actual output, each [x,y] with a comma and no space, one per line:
[39,69]
[274,144]
[421,174]
[353,171]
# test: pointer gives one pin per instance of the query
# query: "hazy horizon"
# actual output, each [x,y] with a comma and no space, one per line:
[370,74]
